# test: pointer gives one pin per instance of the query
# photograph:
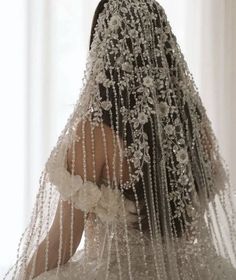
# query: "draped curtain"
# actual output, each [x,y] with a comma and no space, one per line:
[43,54]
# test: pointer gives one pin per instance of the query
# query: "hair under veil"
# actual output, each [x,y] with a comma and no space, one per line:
[161,204]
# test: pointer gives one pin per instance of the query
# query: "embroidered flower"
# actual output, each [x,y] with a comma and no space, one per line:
[138,154]
[133,33]
[87,196]
[182,156]
[127,67]
[109,205]
[181,141]
[142,117]
[183,180]
[148,82]
[169,129]
[106,105]
[164,109]
[115,22]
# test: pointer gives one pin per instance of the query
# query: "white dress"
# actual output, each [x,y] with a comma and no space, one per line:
[75,269]
[83,265]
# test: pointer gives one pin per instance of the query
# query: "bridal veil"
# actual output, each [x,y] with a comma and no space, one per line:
[139,158]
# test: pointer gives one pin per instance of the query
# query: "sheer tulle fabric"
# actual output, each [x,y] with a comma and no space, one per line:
[161,205]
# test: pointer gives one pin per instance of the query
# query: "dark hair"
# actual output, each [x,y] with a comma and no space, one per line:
[178,224]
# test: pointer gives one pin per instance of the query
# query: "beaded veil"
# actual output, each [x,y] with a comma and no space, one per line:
[137,166]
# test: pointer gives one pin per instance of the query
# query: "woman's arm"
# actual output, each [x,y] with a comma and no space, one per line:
[96,160]
[54,240]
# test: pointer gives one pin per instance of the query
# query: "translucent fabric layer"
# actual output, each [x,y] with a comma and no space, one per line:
[137,167]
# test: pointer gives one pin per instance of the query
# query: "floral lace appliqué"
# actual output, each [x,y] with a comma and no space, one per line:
[104,201]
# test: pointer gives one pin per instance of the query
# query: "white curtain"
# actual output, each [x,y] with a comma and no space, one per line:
[43,52]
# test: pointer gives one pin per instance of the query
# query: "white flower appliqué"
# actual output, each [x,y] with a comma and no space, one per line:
[87,197]
[184,180]
[115,22]
[105,202]
[109,205]
[169,129]
[127,67]
[164,109]
[62,180]
[142,117]
[138,154]
[133,33]
[182,156]
[148,82]
[84,195]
